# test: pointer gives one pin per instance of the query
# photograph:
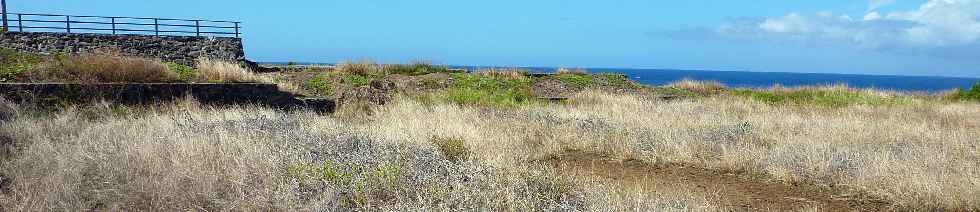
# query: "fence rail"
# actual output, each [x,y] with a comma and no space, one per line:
[24,22]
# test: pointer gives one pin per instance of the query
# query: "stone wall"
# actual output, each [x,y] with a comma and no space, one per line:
[145,93]
[181,49]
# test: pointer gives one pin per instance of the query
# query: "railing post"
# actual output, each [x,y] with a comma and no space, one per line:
[3,9]
[156,27]
[20,22]
[236,29]
[113,25]
[197,24]
[68,23]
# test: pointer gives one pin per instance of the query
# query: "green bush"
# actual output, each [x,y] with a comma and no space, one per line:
[355,80]
[184,73]
[820,97]
[473,89]
[13,64]
[972,94]
[321,84]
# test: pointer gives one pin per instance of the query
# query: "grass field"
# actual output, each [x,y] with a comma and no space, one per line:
[483,141]
[921,155]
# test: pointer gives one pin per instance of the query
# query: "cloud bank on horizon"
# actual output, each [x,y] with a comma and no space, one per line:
[946,28]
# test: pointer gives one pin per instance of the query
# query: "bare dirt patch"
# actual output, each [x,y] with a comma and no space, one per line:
[740,192]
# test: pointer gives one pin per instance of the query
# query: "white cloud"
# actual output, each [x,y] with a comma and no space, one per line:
[875,4]
[935,24]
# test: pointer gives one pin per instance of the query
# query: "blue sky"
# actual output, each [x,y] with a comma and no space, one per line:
[898,37]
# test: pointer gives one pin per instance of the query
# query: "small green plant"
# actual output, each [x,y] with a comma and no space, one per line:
[355,80]
[14,64]
[453,149]
[184,73]
[321,83]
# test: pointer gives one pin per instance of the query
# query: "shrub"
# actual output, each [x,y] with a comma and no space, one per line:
[363,68]
[972,94]
[321,84]
[355,80]
[453,149]
[184,72]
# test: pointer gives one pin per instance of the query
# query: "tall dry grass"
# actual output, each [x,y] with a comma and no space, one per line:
[697,86]
[362,68]
[211,70]
[101,68]
[919,156]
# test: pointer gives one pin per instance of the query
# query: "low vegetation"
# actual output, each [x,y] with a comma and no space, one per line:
[973,94]
[481,141]
[13,64]
[487,90]
[443,156]
[320,84]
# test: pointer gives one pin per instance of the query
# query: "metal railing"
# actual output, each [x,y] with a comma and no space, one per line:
[24,22]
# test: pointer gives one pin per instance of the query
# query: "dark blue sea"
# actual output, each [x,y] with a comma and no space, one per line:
[769,79]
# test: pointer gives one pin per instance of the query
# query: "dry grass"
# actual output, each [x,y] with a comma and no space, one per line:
[211,70]
[700,87]
[919,156]
[362,68]
[101,68]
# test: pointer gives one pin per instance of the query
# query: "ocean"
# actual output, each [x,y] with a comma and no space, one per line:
[769,79]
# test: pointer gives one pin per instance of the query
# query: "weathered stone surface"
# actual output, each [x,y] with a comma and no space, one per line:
[142,93]
[181,49]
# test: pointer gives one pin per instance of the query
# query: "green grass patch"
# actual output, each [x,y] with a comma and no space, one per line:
[321,84]
[820,97]
[184,73]
[453,149]
[580,80]
[415,69]
[474,89]
[14,64]
[355,80]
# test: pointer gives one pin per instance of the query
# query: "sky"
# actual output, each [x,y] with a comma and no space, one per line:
[887,37]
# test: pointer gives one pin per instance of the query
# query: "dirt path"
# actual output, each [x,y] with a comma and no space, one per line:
[735,192]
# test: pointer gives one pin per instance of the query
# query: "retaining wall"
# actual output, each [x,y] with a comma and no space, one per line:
[142,93]
[181,49]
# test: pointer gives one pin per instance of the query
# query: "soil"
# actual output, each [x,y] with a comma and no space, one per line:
[734,191]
